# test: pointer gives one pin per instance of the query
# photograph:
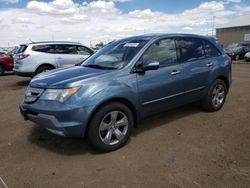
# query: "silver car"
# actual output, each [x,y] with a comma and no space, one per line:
[247,56]
[34,58]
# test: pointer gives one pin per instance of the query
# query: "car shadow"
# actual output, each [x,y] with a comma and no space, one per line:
[165,118]
[23,82]
[75,146]
[58,144]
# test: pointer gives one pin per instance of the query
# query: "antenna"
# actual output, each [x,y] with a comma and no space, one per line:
[30,40]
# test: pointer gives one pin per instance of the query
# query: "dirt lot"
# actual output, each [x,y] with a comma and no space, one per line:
[185,147]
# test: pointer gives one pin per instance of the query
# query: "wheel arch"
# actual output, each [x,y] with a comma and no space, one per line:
[2,64]
[225,80]
[45,64]
[121,100]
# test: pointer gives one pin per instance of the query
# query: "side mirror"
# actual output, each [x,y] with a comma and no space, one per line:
[152,65]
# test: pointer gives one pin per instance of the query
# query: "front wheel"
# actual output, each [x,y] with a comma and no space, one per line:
[216,96]
[110,127]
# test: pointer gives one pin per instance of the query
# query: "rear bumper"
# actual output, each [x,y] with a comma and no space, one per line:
[69,123]
[24,74]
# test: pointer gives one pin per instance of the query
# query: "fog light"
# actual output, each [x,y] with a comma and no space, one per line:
[60,133]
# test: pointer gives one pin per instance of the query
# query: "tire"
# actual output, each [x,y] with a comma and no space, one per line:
[216,96]
[106,133]
[44,68]
[1,70]
[237,57]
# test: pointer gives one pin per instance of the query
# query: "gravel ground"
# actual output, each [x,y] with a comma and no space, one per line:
[184,147]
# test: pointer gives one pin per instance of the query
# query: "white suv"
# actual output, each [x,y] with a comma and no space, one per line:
[34,58]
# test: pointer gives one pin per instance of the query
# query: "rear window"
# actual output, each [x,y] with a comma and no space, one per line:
[21,49]
[44,48]
[210,49]
[191,49]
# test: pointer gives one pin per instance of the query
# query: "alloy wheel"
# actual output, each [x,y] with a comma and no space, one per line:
[113,127]
[218,95]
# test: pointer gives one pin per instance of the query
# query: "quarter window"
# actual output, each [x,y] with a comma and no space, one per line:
[163,51]
[191,49]
[211,50]
[83,51]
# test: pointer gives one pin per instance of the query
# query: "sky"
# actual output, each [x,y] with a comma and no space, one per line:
[92,21]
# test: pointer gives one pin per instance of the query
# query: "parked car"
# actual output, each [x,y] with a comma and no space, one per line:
[247,56]
[2,52]
[238,53]
[34,58]
[6,63]
[126,81]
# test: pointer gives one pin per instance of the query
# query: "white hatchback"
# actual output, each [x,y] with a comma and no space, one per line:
[34,58]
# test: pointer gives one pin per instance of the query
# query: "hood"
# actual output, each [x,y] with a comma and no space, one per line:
[61,78]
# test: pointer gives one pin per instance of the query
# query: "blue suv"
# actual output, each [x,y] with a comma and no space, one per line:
[127,80]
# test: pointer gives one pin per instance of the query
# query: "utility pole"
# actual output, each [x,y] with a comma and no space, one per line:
[213,26]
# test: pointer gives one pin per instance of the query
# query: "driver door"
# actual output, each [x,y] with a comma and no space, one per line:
[161,89]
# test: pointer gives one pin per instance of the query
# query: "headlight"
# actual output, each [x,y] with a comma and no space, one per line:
[60,95]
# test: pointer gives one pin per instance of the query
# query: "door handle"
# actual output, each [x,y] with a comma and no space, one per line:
[59,57]
[175,72]
[209,64]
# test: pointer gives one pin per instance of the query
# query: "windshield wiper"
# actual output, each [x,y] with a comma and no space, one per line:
[99,67]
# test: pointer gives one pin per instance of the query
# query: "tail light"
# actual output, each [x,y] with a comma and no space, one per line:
[22,56]
[230,60]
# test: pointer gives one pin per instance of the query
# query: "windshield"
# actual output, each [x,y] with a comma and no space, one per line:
[115,55]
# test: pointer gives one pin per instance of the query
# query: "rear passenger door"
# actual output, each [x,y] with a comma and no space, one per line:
[67,55]
[197,65]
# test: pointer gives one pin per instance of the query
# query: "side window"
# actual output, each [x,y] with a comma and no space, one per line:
[210,49]
[44,48]
[66,49]
[191,49]
[163,51]
[83,51]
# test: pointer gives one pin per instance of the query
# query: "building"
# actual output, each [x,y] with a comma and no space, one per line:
[235,31]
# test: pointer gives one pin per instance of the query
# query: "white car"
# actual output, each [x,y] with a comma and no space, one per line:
[247,56]
[34,58]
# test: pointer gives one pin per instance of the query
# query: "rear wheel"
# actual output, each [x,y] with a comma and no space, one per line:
[110,127]
[215,97]
[1,70]
[44,68]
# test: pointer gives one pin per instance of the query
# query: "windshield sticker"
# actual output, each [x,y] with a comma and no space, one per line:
[132,45]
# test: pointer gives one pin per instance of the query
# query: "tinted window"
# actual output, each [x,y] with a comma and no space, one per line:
[22,48]
[190,49]
[163,51]
[44,48]
[210,49]
[83,51]
[66,49]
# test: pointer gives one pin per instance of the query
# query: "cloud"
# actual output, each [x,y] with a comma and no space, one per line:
[9,1]
[21,20]
[91,22]
[54,7]
[242,10]
[233,1]
[121,1]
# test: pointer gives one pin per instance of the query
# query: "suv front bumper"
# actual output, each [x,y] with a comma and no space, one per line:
[69,123]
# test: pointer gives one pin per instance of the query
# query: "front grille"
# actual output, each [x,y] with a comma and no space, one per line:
[32,94]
